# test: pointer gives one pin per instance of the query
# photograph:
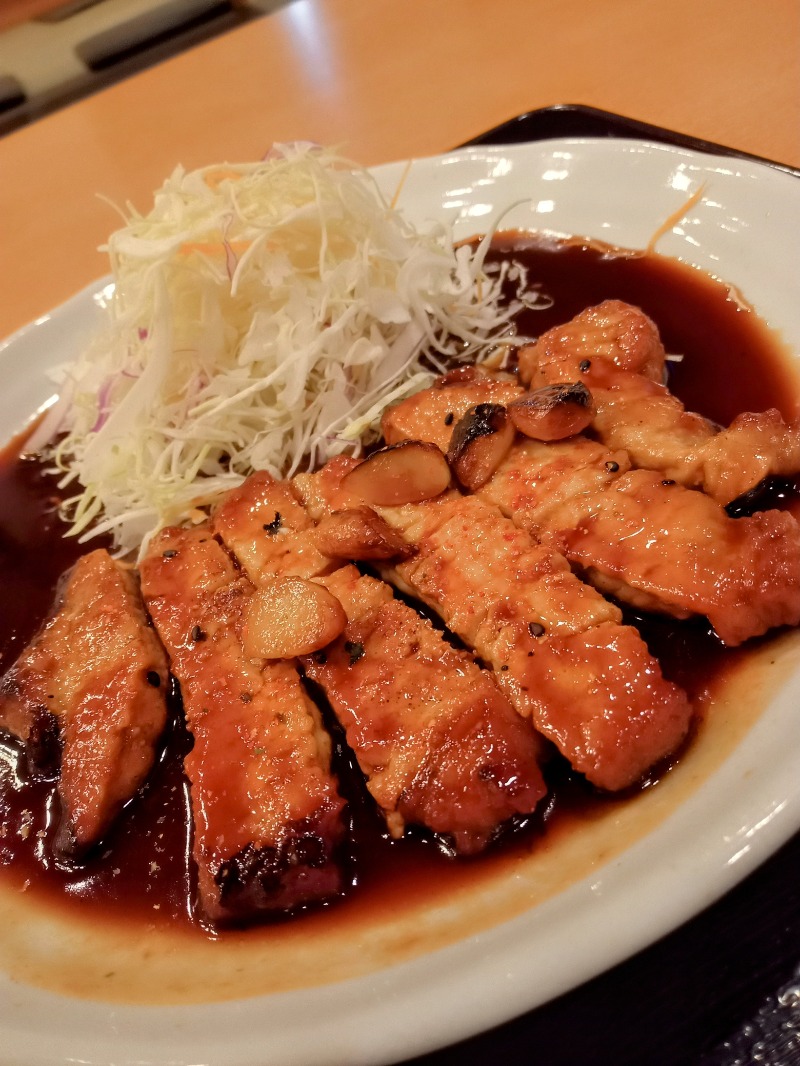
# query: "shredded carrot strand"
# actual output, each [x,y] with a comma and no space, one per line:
[400,184]
[672,220]
[215,177]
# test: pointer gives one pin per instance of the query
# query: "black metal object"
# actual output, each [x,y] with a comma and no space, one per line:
[105,66]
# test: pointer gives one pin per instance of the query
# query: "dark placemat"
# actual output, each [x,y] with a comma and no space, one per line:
[723,989]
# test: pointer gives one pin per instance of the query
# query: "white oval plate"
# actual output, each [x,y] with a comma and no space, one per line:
[743,229]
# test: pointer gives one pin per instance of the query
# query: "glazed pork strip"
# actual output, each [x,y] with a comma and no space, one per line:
[634,534]
[653,543]
[88,697]
[615,350]
[264,524]
[438,743]
[268,819]
[557,647]
[433,413]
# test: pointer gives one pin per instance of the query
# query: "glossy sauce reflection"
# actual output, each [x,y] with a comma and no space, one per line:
[730,363]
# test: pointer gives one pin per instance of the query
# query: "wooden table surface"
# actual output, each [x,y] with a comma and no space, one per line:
[388,79]
[385,79]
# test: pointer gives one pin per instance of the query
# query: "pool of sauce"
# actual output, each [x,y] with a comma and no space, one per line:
[731,361]
[143,868]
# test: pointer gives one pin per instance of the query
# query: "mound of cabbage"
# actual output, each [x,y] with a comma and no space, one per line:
[263,315]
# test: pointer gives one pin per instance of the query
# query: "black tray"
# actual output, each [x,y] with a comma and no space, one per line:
[721,990]
[577,120]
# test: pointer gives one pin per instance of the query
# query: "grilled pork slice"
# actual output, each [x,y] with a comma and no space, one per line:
[437,742]
[267,527]
[431,414]
[267,813]
[557,647]
[614,349]
[653,543]
[90,692]
[648,541]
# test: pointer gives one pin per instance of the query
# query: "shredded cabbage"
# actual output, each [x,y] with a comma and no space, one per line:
[263,316]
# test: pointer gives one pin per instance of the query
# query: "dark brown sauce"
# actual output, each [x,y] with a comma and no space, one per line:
[143,870]
[731,363]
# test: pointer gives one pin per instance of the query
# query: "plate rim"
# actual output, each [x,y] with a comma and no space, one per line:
[779,822]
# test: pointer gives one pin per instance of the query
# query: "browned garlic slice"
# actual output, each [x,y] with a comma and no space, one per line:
[290,617]
[409,472]
[481,440]
[553,412]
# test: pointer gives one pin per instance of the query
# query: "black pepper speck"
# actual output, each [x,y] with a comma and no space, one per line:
[355,650]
